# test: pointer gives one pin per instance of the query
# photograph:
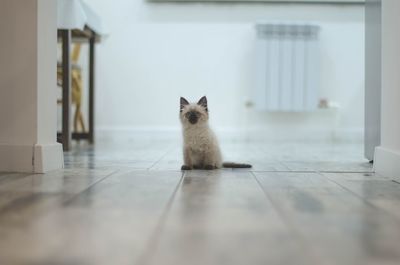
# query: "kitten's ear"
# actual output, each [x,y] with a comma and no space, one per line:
[203,102]
[184,102]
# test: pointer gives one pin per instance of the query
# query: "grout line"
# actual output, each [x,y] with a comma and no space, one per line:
[395,181]
[153,241]
[344,171]
[285,171]
[310,171]
[367,202]
[164,155]
[68,201]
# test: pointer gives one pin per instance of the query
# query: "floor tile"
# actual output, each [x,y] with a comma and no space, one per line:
[223,217]
[379,191]
[335,223]
[112,222]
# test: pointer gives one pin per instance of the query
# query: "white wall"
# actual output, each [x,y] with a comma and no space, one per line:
[156,53]
[387,156]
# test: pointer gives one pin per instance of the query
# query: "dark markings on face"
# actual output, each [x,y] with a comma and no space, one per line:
[193,116]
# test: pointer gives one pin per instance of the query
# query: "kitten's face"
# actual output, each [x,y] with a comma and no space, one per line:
[193,113]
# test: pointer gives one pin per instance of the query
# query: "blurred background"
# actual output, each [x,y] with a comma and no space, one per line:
[242,55]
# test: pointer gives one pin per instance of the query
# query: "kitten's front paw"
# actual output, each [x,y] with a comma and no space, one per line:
[185,167]
[209,167]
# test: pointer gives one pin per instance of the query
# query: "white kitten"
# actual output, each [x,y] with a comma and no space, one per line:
[200,148]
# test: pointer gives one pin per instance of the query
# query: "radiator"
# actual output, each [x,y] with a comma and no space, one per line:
[287,75]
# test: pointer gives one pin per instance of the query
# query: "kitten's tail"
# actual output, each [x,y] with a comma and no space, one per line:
[235,165]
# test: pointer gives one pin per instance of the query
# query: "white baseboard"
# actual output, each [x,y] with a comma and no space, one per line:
[387,162]
[48,157]
[31,159]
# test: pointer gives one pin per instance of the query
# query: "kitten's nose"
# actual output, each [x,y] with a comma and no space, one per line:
[193,118]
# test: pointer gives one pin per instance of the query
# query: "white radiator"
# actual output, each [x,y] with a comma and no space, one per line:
[287,73]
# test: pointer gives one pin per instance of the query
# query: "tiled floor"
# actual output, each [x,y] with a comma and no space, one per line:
[127,202]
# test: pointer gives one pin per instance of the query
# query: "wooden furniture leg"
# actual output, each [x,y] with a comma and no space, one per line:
[91,86]
[76,117]
[66,86]
[78,120]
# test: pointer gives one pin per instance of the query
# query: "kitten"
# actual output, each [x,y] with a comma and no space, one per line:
[201,149]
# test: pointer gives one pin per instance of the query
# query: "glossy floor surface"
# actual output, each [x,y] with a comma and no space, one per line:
[127,202]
